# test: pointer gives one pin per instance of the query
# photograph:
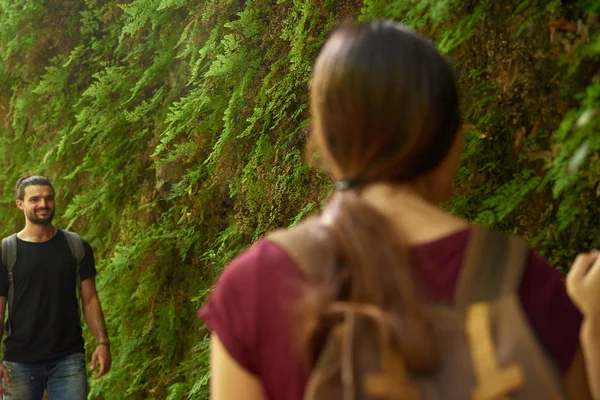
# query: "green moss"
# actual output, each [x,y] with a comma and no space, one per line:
[174,132]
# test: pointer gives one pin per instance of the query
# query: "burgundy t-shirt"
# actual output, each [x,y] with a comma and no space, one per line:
[250,308]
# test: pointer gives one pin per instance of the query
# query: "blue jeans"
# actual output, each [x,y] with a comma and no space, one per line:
[63,379]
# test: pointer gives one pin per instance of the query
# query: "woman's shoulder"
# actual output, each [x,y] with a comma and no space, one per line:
[256,273]
[264,257]
[551,313]
[247,298]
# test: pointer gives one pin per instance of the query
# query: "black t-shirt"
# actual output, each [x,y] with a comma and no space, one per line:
[45,321]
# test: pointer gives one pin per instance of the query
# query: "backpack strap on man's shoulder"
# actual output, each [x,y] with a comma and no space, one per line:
[308,244]
[76,246]
[9,252]
[493,265]
[78,251]
[9,259]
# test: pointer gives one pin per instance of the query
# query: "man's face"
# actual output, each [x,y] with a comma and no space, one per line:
[38,204]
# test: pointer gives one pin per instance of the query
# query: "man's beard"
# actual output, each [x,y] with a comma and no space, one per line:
[36,220]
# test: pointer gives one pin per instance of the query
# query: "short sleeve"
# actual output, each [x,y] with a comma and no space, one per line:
[88,264]
[554,318]
[231,310]
[3,278]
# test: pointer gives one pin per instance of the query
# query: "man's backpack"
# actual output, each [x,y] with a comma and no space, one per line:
[487,349]
[9,259]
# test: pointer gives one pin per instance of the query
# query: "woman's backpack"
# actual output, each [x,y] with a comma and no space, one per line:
[486,346]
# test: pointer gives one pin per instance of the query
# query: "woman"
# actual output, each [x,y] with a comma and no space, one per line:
[386,122]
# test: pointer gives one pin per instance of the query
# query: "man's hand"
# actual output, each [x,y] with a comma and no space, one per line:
[4,377]
[101,356]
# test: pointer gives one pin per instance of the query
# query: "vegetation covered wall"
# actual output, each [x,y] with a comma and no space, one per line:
[174,131]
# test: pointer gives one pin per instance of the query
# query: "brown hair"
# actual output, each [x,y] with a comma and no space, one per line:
[28,180]
[385,109]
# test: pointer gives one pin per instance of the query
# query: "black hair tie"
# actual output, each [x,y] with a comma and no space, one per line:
[346,184]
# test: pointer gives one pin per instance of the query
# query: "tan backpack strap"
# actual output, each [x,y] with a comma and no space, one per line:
[391,382]
[493,382]
[309,245]
[517,255]
[471,267]
[492,266]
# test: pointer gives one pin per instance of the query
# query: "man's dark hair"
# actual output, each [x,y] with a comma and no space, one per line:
[30,180]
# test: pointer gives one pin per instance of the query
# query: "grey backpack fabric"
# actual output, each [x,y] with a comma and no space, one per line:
[9,259]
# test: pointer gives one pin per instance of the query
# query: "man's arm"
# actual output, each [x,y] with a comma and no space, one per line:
[4,375]
[3,301]
[92,310]
[94,318]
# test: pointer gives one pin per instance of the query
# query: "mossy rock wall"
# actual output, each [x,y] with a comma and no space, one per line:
[175,131]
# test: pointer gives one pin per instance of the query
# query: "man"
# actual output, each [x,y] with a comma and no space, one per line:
[44,348]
